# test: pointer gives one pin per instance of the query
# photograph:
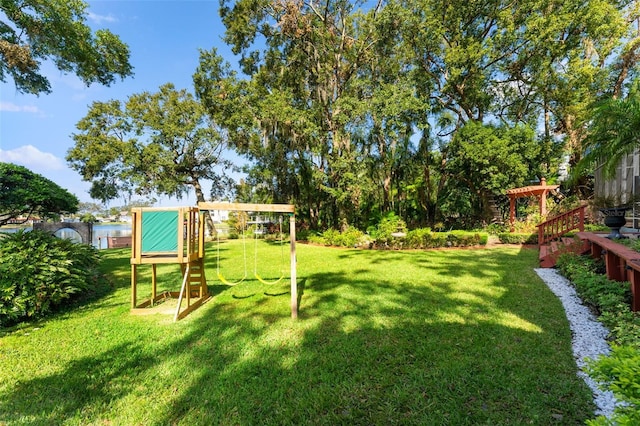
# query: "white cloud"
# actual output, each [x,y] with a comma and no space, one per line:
[32,158]
[101,19]
[11,107]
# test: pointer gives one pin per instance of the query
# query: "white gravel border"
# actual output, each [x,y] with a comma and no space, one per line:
[589,335]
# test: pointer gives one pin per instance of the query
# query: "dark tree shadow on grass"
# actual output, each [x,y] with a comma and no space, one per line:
[84,383]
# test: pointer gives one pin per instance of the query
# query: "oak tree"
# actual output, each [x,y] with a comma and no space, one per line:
[35,30]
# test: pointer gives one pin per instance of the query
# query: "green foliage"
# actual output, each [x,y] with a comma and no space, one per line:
[382,234]
[613,133]
[421,238]
[156,143]
[376,124]
[492,159]
[39,273]
[620,372]
[88,218]
[496,229]
[518,238]
[33,31]
[23,192]
[350,237]
[594,288]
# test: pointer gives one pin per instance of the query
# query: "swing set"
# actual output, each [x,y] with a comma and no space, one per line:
[176,236]
[258,231]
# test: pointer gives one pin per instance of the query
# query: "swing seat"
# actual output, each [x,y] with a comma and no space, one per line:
[227,282]
[263,281]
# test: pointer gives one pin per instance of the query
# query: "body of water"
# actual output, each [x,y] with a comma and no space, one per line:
[100,231]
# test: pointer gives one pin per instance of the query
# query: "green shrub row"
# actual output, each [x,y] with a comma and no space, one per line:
[39,273]
[421,238]
[619,371]
[518,238]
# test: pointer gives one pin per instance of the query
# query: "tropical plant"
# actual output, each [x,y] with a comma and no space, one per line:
[614,132]
[39,273]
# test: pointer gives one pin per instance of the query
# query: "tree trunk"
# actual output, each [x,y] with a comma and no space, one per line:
[207,215]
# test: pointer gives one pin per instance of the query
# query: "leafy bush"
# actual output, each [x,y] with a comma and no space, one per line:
[350,237]
[424,238]
[496,228]
[382,234]
[39,272]
[466,238]
[620,371]
[419,238]
[518,238]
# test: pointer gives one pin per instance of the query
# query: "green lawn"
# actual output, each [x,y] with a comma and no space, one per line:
[383,337]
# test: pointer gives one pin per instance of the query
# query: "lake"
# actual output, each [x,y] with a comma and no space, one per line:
[100,231]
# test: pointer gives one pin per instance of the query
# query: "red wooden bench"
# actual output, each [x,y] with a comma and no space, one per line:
[622,263]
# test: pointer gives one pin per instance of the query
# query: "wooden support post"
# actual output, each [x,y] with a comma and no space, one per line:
[294,281]
[133,286]
[512,214]
[634,278]
[614,266]
[154,283]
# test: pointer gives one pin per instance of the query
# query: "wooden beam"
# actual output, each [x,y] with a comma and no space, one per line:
[247,207]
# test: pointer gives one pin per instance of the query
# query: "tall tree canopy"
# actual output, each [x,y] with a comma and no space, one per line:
[24,193]
[353,107]
[156,143]
[35,30]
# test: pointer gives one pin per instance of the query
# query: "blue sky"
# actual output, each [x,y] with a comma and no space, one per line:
[164,37]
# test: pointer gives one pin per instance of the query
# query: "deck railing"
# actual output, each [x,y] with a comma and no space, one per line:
[557,226]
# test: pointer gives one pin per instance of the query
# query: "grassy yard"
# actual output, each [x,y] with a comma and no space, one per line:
[384,337]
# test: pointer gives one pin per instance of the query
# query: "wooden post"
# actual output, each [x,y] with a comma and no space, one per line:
[543,198]
[133,286]
[614,266]
[154,281]
[512,213]
[634,280]
[294,283]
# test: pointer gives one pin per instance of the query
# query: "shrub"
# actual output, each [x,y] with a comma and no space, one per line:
[419,238]
[495,229]
[518,238]
[466,238]
[39,272]
[620,371]
[350,237]
[382,234]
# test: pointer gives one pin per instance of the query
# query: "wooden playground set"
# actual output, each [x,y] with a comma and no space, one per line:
[176,236]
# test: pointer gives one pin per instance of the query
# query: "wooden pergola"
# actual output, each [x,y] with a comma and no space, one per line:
[540,191]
